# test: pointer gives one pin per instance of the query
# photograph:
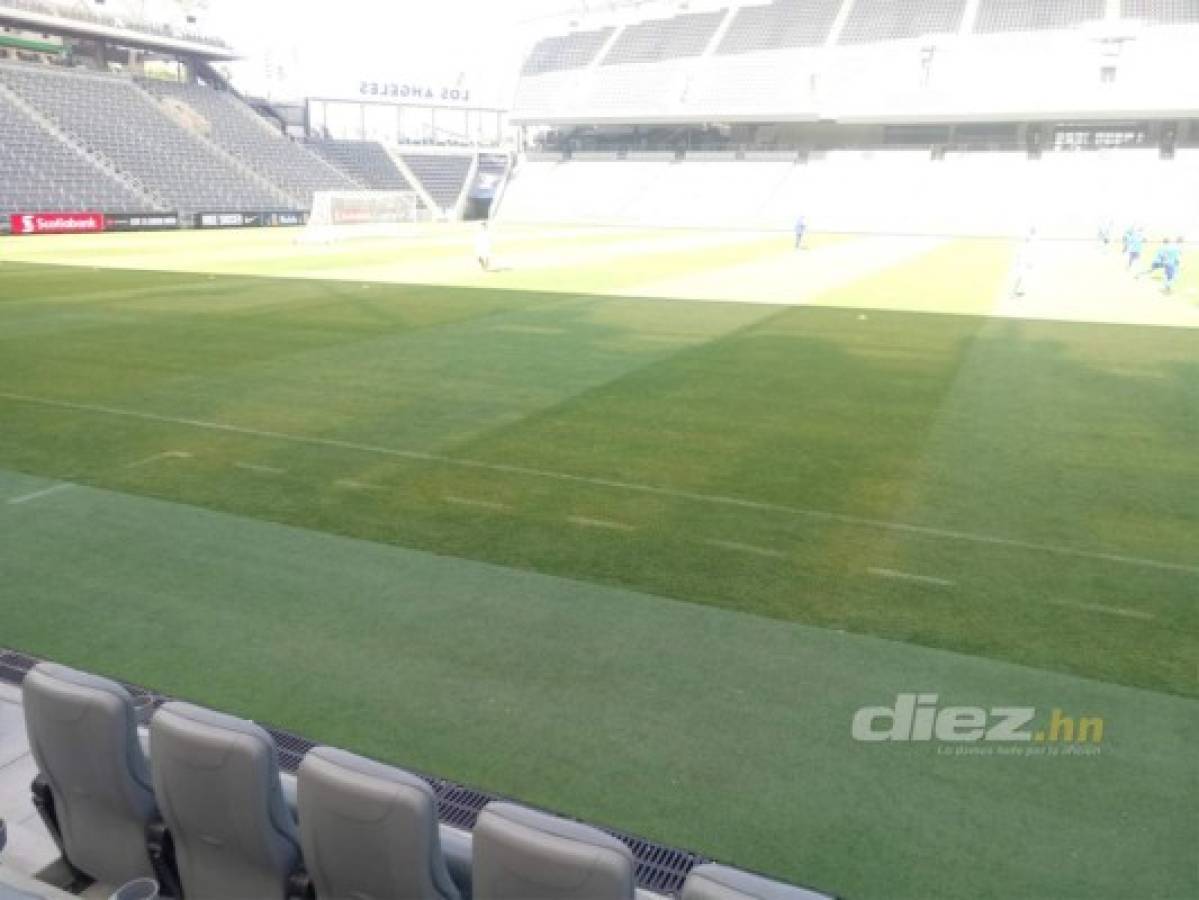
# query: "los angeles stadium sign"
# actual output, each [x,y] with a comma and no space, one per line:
[416,92]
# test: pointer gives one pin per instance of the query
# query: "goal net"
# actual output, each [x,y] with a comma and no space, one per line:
[345,215]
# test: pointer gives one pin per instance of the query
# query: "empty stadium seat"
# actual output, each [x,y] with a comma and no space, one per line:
[83,736]
[713,882]
[41,173]
[246,136]
[521,854]
[657,40]
[217,782]
[1161,12]
[367,162]
[369,830]
[562,53]
[783,23]
[442,176]
[182,170]
[1036,15]
[890,20]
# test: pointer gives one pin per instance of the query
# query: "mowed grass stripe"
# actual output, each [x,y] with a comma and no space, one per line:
[716,499]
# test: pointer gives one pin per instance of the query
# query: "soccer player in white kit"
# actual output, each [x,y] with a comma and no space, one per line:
[483,246]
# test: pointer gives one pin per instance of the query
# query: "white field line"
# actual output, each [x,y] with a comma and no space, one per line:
[606,524]
[529,329]
[159,457]
[350,485]
[1106,610]
[908,576]
[477,504]
[631,487]
[260,470]
[37,495]
[746,548]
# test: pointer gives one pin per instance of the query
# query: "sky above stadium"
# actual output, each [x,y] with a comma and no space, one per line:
[308,48]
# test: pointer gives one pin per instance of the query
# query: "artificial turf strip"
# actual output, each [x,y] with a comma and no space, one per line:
[1056,436]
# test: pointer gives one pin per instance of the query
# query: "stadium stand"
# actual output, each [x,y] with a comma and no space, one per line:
[128,783]
[897,191]
[657,40]
[1162,12]
[1036,15]
[442,176]
[888,20]
[784,23]
[244,134]
[565,52]
[367,162]
[39,172]
[181,169]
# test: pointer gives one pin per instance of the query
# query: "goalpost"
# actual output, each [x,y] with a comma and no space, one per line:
[345,215]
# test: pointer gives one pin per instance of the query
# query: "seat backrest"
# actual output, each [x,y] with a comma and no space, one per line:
[520,854]
[369,831]
[83,735]
[217,782]
[713,882]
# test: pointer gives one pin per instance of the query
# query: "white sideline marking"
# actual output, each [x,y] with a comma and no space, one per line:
[478,504]
[908,576]
[584,522]
[37,495]
[1106,610]
[716,499]
[351,485]
[261,470]
[158,457]
[746,548]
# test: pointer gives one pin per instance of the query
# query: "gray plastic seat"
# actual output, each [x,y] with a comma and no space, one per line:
[713,882]
[520,854]
[217,782]
[369,831]
[83,736]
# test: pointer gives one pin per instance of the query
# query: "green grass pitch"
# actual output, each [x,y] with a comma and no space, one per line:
[635,559]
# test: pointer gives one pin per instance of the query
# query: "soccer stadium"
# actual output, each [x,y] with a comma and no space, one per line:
[562,450]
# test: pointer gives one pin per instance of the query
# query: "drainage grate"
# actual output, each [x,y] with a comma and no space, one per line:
[660,869]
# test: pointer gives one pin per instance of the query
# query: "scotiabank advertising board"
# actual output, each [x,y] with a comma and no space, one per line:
[57,223]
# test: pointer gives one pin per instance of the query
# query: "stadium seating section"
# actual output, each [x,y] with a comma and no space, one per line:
[1162,12]
[367,162]
[661,39]
[246,136]
[39,172]
[442,176]
[784,23]
[887,20]
[179,169]
[571,51]
[1036,15]
[179,148]
[198,803]
[887,192]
